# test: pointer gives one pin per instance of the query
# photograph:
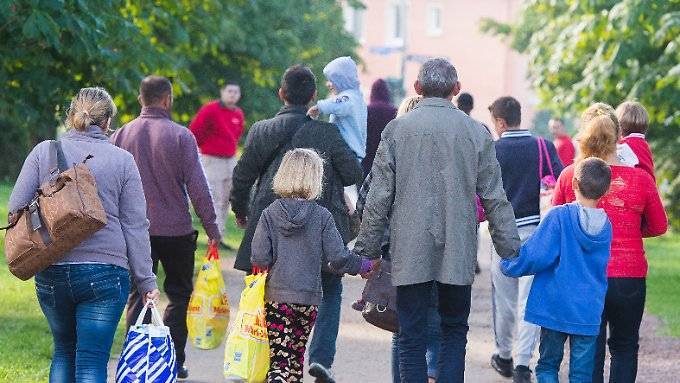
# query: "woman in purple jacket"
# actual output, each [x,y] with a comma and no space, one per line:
[380,112]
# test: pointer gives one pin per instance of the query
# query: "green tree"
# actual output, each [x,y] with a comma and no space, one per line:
[51,48]
[583,51]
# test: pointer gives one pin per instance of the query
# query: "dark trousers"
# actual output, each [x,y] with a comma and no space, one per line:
[413,302]
[176,254]
[322,347]
[623,308]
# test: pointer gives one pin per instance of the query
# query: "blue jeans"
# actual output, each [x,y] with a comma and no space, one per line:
[322,346]
[83,304]
[581,356]
[433,344]
[413,302]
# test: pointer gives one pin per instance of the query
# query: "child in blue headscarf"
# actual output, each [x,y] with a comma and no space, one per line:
[346,106]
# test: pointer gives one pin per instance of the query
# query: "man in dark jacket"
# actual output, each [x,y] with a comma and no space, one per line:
[380,112]
[266,144]
[517,151]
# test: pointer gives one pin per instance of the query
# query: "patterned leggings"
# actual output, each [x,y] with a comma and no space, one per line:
[288,328]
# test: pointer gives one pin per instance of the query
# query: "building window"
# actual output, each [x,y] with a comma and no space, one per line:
[434,20]
[395,24]
[354,20]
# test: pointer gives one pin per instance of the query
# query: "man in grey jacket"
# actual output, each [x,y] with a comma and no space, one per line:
[430,164]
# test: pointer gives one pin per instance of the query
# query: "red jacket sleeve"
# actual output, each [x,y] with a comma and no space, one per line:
[201,125]
[563,187]
[239,129]
[654,219]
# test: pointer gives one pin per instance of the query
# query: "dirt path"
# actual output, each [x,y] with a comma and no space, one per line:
[364,351]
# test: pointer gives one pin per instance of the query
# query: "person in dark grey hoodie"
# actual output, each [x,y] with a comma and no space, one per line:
[294,240]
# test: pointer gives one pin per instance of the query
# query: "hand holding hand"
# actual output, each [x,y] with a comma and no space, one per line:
[314,112]
[241,222]
[368,267]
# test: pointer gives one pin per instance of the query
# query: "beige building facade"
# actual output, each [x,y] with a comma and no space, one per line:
[397,35]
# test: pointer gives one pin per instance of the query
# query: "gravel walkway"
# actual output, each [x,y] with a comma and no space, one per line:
[364,351]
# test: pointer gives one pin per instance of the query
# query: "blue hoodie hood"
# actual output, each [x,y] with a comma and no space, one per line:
[342,72]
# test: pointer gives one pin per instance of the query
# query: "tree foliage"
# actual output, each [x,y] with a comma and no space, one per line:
[51,48]
[584,51]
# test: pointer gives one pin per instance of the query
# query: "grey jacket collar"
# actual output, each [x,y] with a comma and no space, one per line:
[92,134]
[436,102]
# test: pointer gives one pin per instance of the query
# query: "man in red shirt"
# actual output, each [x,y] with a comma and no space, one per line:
[218,126]
[565,148]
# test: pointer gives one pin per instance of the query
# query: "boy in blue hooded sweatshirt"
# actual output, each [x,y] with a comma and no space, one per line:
[346,107]
[568,254]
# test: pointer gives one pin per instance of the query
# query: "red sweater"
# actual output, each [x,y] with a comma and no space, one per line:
[565,150]
[217,129]
[640,147]
[635,210]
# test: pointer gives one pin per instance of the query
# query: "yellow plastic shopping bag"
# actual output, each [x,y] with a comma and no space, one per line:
[246,354]
[208,312]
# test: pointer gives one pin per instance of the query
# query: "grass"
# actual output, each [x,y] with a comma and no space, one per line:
[26,342]
[25,338]
[663,281]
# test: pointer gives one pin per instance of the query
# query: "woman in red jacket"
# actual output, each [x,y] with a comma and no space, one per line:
[635,211]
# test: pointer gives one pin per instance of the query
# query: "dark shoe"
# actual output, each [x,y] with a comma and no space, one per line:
[226,246]
[502,366]
[522,374]
[359,305]
[182,372]
[321,373]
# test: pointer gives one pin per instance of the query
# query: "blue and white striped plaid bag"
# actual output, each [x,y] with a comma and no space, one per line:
[148,354]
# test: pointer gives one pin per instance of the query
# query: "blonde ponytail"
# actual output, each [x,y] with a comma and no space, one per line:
[91,106]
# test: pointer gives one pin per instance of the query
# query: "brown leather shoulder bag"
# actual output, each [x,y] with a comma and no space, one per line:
[65,211]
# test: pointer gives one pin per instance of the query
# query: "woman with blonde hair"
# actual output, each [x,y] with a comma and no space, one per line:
[295,239]
[635,211]
[83,295]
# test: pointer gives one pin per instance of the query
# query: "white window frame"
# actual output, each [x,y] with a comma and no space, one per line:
[434,30]
[393,39]
[354,21]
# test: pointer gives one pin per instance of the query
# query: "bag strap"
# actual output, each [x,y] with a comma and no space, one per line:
[540,158]
[282,144]
[213,253]
[58,165]
[155,315]
[57,159]
[547,157]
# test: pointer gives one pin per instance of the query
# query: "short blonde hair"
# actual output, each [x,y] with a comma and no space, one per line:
[633,118]
[300,175]
[598,138]
[91,106]
[408,104]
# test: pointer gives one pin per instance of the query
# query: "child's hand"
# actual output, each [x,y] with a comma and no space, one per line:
[368,267]
[314,112]
[331,88]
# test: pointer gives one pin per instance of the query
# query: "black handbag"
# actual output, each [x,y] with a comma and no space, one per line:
[380,298]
